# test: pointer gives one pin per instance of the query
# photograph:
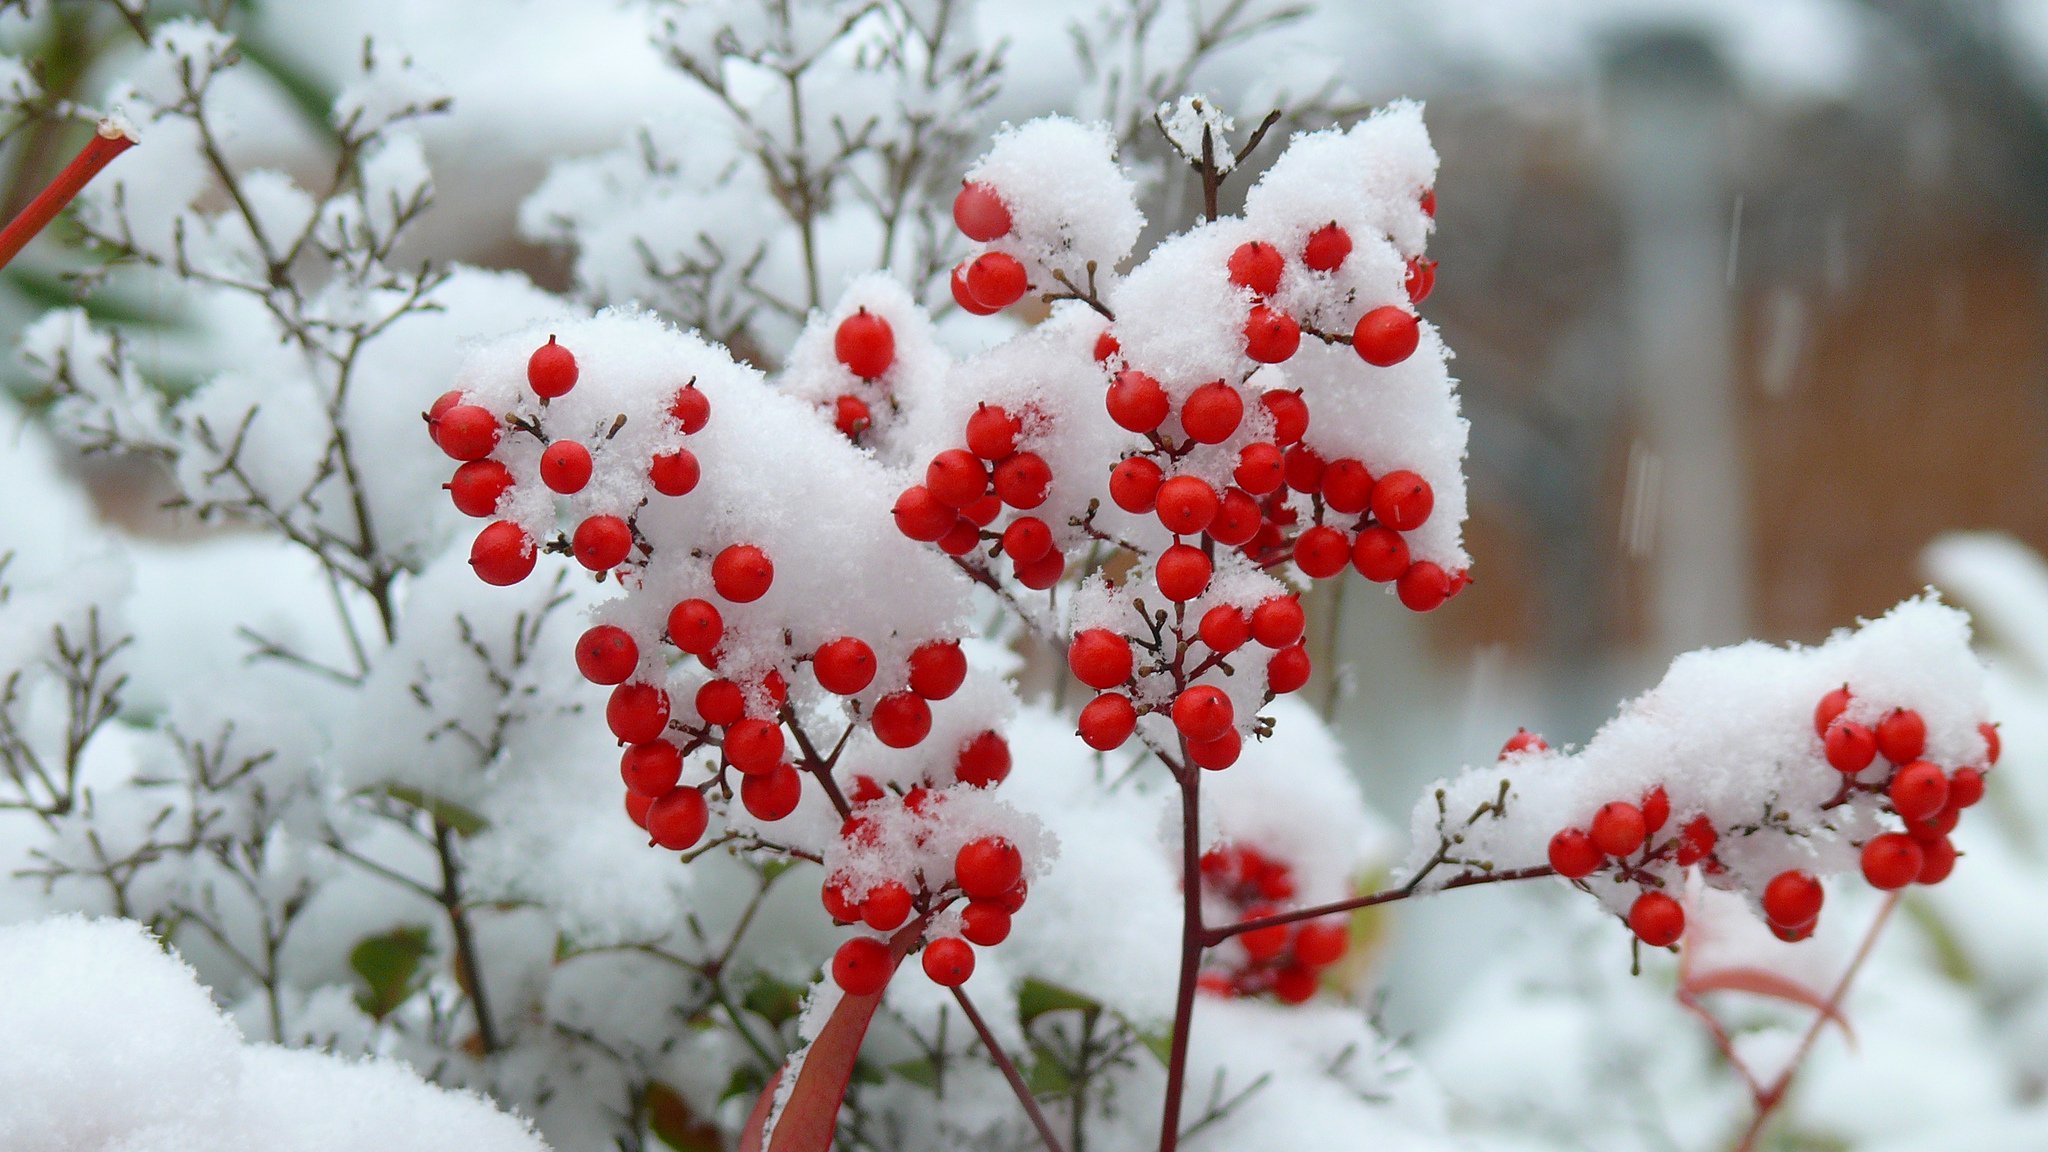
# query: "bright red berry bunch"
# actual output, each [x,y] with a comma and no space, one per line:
[1285,960]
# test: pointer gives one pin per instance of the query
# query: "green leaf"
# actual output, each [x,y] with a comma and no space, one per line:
[1160,1044]
[772,1000]
[1037,997]
[1048,1077]
[920,1071]
[390,966]
[670,1119]
[462,820]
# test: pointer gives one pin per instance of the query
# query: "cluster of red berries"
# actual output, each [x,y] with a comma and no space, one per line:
[1383,336]
[965,489]
[1623,837]
[866,345]
[1884,760]
[1286,960]
[993,280]
[987,874]
[504,553]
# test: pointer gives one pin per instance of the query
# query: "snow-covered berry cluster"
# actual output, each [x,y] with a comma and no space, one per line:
[1243,885]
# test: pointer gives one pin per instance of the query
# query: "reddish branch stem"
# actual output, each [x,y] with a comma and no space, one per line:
[1193,938]
[1215,936]
[1009,1070]
[109,141]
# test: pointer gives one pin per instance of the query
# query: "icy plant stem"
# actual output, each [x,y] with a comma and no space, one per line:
[1192,940]
[1009,1070]
[108,142]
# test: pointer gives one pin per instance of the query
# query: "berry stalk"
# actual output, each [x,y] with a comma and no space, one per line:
[1192,941]
[110,140]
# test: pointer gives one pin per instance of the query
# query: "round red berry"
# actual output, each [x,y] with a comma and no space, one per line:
[963,295]
[992,432]
[949,961]
[1289,670]
[922,516]
[1850,746]
[1263,944]
[1937,860]
[963,537]
[754,745]
[565,467]
[1203,712]
[674,473]
[1182,572]
[997,279]
[886,907]
[937,669]
[1224,628]
[602,543]
[1523,741]
[1238,519]
[865,343]
[988,867]
[1106,346]
[721,702]
[1134,485]
[676,820]
[1347,486]
[1919,791]
[984,924]
[1043,572]
[1696,841]
[551,370]
[769,796]
[1278,622]
[1304,469]
[1260,468]
[1322,551]
[1831,707]
[478,485]
[844,666]
[1289,413]
[1380,554]
[696,627]
[1211,413]
[1321,943]
[1901,735]
[466,431]
[1402,501]
[1656,808]
[1026,539]
[1657,919]
[1257,265]
[956,477]
[1099,658]
[1219,753]
[1186,505]
[1792,899]
[1420,280]
[1022,480]
[1992,744]
[979,212]
[862,966]
[984,761]
[1573,854]
[651,769]
[852,416]
[1423,587]
[1326,248]
[1386,336]
[742,573]
[607,654]
[901,719]
[1137,402]
[691,408]
[1270,335]
[502,554]
[1965,788]
[1892,861]
[1107,721]
[637,713]
[636,808]
[1619,828]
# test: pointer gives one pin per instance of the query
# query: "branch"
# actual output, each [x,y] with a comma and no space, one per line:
[1009,1070]
[1387,896]
[109,141]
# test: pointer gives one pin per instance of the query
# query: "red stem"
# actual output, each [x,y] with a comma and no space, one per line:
[1009,1069]
[109,141]
[1215,936]
[1193,938]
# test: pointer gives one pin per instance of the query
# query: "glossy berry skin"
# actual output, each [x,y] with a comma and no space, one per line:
[984,761]
[741,573]
[886,907]
[1183,572]
[503,554]
[636,808]
[1402,501]
[1290,416]
[1186,505]
[478,485]
[1423,587]
[1099,658]
[1107,721]
[1386,336]
[721,702]
[1573,854]
[696,627]
[551,370]
[852,416]
[1937,860]
[466,431]
[1263,944]
[1211,413]
[844,666]
[1523,741]
[1304,469]
[1219,753]
[1830,707]
[607,654]
[984,924]
[964,295]
[1792,899]
[1258,266]
[675,473]
[1347,486]
[1326,248]
[862,966]
[565,467]
[1279,622]
[1134,485]
[1320,943]
[921,516]
[1026,539]
[1919,790]
[992,432]
[1992,744]
[1901,736]
[1380,554]
[1892,861]
[772,795]
[1656,808]
[865,343]
[1696,841]
[1270,335]
[1657,919]
[1203,712]
[601,543]
[1044,572]
[1260,468]
[997,279]
[1420,280]
[1322,551]
[1619,828]
[937,669]
[1137,402]
[1850,746]
[651,769]
[979,212]
[949,961]
[1023,480]
[988,868]
[754,745]
[1106,346]
[677,819]
[1966,787]
[691,409]
[1289,670]
[637,713]
[901,719]
[1224,628]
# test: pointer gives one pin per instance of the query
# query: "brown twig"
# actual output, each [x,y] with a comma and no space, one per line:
[1009,1070]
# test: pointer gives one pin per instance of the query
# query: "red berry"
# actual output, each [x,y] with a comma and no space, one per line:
[1290,416]
[1696,841]
[565,467]
[1423,587]
[1203,712]
[852,416]
[1106,346]
[466,431]
[1901,735]
[676,820]
[478,485]
[982,512]
[1026,539]
[997,280]
[1573,854]
[1326,248]
[1182,572]
[754,745]
[691,408]
[1656,810]
[988,868]
[963,295]
[1211,413]
[1257,265]
[1099,658]
[1238,519]
[651,769]
[1992,744]
[921,516]
[963,537]
[1304,469]
[502,554]
[769,796]
[1043,572]
[721,702]
[602,543]
[1892,861]
[742,573]
[1831,706]
[1022,480]
[1523,741]
[1619,828]
[1278,622]
[1850,747]
[1937,860]
[1657,919]
[1107,721]
[1263,944]
[937,669]
[637,713]
[551,370]
[1965,788]
[1421,279]
[948,961]
[984,761]
[1792,899]
[1385,336]
[862,966]
[1270,336]
[844,666]
[886,907]
[1322,551]
[1219,753]
[837,903]
[1187,504]
[1347,486]
[992,433]
[1428,203]
[984,924]
[979,212]
[901,719]
[865,343]
[636,808]
[1379,554]
[695,627]
[1294,985]
[1137,402]
[1134,485]
[674,473]
[1225,628]
[1919,791]
[1288,670]
[440,406]
[1260,468]
[1402,501]
[607,654]
[956,478]
[1321,943]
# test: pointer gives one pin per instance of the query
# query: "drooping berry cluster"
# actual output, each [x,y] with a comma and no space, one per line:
[1884,761]
[1243,884]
